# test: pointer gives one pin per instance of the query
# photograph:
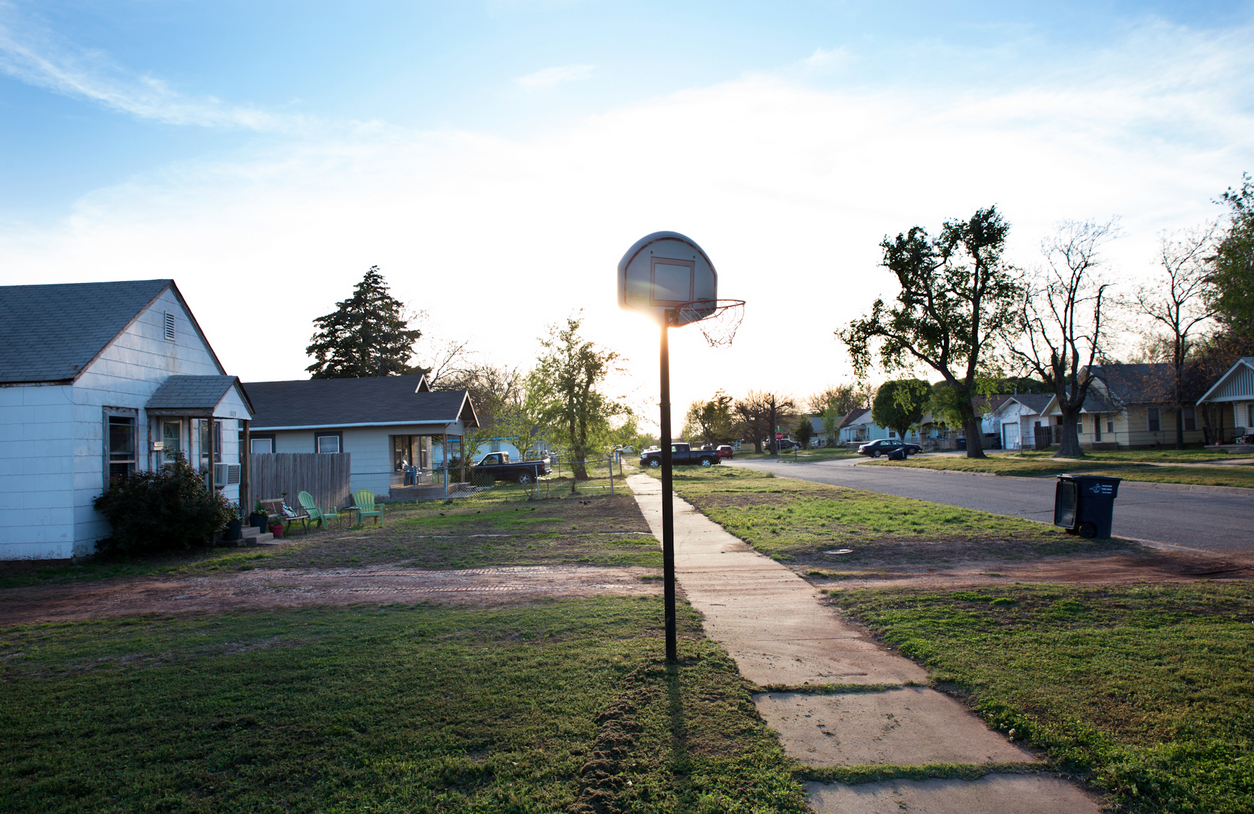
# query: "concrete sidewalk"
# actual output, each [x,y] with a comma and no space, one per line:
[774,624]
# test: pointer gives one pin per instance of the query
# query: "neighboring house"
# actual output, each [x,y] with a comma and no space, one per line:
[100,380]
[385,423]
[1017,419]
[859,428]
[1129,407]
[1235,389]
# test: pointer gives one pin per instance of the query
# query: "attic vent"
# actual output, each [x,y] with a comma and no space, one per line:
[169,326]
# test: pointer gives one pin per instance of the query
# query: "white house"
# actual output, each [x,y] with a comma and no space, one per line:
[1018,417]
[385,423]
[100,380]
[1235,392]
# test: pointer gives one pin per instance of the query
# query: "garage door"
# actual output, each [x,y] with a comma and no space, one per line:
[1009,436]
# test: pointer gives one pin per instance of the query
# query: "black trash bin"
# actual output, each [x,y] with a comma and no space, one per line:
[1084,504]
[898,454]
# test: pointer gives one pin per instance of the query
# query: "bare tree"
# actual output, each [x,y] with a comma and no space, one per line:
[451,361]
[1061,321]
[1179,301]
[753,413]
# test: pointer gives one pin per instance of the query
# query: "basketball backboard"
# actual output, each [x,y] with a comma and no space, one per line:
[663,271]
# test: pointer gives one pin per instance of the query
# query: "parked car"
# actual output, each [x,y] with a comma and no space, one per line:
[681,455]
[886,445]
[724,450]
[500,467]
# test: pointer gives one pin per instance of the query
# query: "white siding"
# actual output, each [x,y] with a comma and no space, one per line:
[370,447]
[52,446]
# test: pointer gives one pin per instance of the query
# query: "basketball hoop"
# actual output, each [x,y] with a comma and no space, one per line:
[718,319]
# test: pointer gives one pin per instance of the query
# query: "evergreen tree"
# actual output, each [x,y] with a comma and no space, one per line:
[366,335]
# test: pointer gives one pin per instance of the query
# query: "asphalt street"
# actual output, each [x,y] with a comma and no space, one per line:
[1216,522]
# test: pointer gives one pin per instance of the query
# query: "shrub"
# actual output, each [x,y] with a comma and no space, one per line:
[166,510]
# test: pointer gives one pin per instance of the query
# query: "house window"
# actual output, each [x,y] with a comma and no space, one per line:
[1151,419]
[327,443]
[169,326]
[1110,425]
[1250,415]
[204,443]
[1190,418]
[120,445]
[494,445]
[171,440]
[263,444]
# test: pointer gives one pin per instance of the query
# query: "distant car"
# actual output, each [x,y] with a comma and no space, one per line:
[886,445]
[724,450]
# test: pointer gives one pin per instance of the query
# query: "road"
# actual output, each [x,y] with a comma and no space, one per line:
[1213,522]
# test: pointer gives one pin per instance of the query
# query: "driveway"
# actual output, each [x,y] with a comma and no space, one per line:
[1219,523]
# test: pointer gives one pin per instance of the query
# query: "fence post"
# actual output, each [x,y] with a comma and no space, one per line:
[446,481]
[610,461]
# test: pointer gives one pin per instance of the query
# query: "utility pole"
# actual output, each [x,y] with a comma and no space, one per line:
[774,440]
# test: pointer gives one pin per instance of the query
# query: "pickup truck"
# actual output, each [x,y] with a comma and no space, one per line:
[681,455]
[499,466]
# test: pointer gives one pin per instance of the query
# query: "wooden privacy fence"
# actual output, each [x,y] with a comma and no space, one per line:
[323,475]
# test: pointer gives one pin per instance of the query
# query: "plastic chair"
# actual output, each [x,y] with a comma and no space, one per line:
[316,513]
[364,498]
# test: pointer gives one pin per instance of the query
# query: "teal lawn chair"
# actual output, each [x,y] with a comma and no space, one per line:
[364,498]
[316,513]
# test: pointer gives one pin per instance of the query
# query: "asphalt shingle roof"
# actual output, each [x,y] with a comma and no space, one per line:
[347,402]
[190,393]
[50,333]
[1138,384]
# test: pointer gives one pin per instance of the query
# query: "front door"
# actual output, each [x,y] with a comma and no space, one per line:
[171,433]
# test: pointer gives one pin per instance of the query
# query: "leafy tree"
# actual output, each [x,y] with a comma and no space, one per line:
[754,414]
[573,371]
[840,398]
[1179,301]
[804,431]
[957,298]
[709,422]
[366,335]
[899,404]
[1232,295]
[1062,321]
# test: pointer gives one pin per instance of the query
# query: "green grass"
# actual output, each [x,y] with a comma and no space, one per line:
[564,705]
[1001,465]
[1146,690]
[1134,456]
[797,521]
[1196,475]
[821,454]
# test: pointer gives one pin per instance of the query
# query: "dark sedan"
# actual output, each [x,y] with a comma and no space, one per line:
[886,445]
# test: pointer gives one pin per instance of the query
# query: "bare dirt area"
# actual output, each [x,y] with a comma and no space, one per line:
[292,588]
[1108,569]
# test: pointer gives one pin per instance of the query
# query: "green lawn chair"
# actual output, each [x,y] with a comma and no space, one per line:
[316,513]
[364,498]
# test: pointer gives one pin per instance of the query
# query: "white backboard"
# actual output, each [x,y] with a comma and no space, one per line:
[661,272]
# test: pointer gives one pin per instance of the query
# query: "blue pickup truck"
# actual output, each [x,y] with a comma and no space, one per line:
[499,466]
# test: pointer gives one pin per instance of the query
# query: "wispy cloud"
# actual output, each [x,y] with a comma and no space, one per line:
[557,75]
[823,58]
[41,59]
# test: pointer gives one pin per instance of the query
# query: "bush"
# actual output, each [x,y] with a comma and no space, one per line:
[166,510]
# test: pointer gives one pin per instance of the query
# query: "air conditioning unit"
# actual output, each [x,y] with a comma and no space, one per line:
[225,474]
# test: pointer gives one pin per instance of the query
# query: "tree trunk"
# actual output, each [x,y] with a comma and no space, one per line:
[1179,428]
[975,438]
[1068,437]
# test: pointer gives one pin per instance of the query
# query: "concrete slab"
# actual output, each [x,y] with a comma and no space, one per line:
[993,794]
[902,727]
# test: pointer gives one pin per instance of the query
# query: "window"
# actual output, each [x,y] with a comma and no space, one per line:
[204,443]
[169,326]
[120,445]
[327,443]
[1250,415]
[494,445]
[1151,419]
[1189,415]
[1110,425]
[261,443]
[171,440]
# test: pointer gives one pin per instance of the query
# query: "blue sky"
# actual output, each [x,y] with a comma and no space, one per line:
[496,158]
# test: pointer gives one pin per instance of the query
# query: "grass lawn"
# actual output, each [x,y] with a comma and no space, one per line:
[1132,465]
[1146,690]
[1000,465]
[497,527]
[1242,476]
[796,521]
[564,705]
[1141,456]
[820,454]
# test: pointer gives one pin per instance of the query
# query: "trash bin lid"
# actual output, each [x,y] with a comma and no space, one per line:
[1097,485]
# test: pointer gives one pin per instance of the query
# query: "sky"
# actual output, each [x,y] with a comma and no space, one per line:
[495,159]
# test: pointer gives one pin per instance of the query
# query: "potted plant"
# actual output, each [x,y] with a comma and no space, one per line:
[260,517]
[277,530]
[234,526]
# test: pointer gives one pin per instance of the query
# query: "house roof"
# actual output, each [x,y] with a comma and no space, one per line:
[191,395]
[853,415]
[372,402]
[1136,383]
[1237,383]
[1036,402]
[51,333]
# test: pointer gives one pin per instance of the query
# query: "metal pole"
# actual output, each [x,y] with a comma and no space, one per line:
[668,510]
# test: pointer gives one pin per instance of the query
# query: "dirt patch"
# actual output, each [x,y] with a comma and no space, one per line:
[294,588]
[1110,569]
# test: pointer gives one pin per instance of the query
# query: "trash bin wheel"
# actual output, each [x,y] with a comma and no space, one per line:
[1088,530]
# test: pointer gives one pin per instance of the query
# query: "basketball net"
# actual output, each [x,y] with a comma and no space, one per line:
[717,319]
